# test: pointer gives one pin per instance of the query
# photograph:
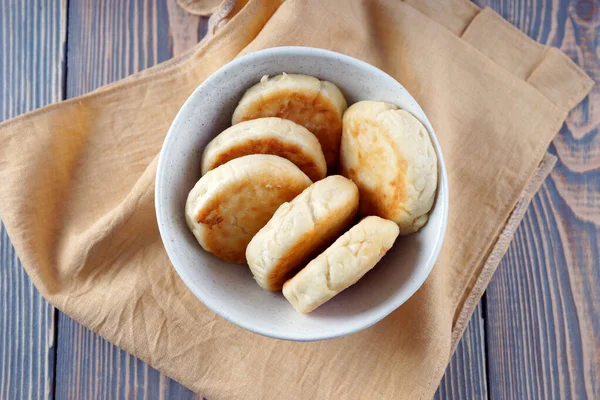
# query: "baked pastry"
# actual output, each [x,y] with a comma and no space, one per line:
[388,153]
[317,105]
[299,228]
[276,136]
[342,264]
[229,204]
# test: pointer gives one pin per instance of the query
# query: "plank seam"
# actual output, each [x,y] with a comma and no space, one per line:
[486,344]
[64,67]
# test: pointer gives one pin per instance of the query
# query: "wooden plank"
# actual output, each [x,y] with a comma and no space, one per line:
[90,367]
[543,308]
[32,37]
[108,40]
[465,376]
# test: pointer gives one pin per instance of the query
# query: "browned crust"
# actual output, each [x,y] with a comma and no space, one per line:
[310,245]
[273,146]
[232,220]
[384,200]
[303,109]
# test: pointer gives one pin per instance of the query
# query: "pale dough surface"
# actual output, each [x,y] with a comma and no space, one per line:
[298,229]
[346,261]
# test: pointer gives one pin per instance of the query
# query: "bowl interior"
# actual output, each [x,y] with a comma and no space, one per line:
[228,289]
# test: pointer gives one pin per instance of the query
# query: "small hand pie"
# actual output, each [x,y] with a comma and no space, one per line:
[346,261]
[388,153]
[276,136]
[299,228]
[316,105]
[231,203]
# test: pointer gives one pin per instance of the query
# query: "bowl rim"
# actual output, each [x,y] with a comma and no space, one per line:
[442,202]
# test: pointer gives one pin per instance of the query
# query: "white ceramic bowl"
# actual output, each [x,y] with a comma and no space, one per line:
[228,289]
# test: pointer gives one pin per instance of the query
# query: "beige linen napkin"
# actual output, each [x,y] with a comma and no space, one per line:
[77,194]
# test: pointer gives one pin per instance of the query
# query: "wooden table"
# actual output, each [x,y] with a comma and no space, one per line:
[536,333]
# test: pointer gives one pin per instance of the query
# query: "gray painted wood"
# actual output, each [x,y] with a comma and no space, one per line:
[543,305]
[466,374]
[32,38]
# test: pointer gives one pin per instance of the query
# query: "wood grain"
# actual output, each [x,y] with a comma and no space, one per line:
[543,312]
[184,28]
[466,374]
[108,40]
[32,41]
[89,367]
[543,309]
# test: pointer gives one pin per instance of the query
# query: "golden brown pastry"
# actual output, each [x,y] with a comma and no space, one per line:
[316,105]
[231,203]
[306,224]
[388,153]
[340,266]
[276,136]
